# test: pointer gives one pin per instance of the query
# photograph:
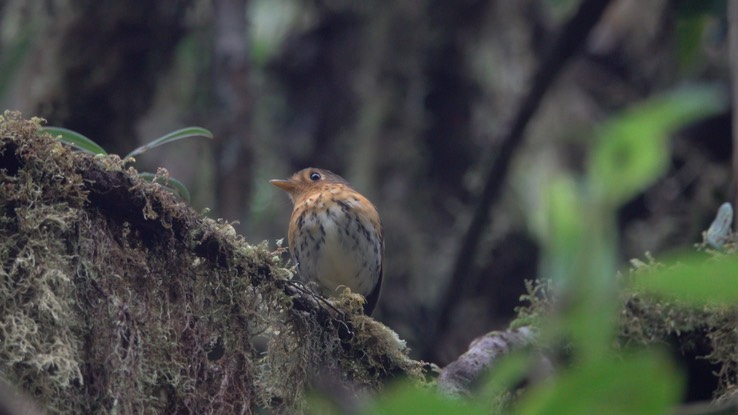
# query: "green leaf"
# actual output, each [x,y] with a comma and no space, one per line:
[171,184]
[644,383]
[179,188]
[579,259]
[75,139]
[694,279]
[565,236]
[173,136]
[406,398]
[632,151]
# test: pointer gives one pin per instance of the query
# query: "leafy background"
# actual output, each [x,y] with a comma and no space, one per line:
[409,100]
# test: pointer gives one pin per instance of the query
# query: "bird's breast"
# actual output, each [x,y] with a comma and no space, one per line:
[336,243]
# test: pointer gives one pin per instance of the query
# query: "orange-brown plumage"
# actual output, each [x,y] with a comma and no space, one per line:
[335,234]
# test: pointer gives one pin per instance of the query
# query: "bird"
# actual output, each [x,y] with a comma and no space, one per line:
[334,235]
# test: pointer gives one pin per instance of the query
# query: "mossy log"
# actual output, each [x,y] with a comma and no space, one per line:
[116,297]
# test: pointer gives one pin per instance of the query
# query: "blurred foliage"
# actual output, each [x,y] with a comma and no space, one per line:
[633,150]
[641,383]
[695,19]
[694,279]
[270,23]
[410,399]
[629,153]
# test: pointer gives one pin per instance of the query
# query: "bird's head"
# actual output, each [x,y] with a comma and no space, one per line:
[306,180]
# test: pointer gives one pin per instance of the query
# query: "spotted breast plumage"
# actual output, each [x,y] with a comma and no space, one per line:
[335,234]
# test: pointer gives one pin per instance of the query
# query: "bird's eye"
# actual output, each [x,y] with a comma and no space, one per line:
[315,176]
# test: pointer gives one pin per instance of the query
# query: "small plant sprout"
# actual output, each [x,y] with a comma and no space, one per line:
[87,145]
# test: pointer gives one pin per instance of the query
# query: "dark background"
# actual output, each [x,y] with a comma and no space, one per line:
[409,100]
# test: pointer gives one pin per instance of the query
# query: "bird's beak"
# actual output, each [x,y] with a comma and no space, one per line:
[286,185]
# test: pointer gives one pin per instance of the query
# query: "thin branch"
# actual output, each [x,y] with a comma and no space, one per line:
[572,37]
[461,375]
